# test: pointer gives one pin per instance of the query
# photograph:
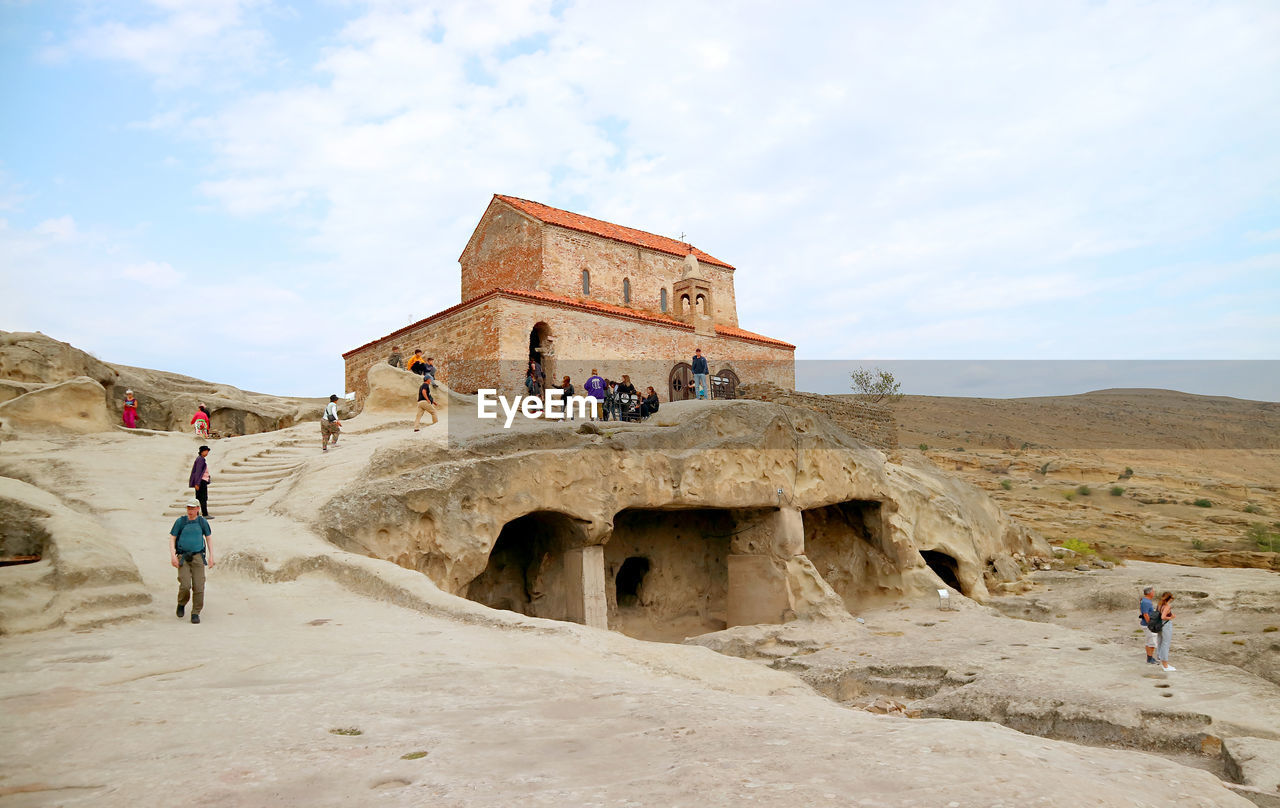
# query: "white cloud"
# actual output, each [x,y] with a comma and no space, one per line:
[156,274]
[62,228]
[993,179]
[185,41]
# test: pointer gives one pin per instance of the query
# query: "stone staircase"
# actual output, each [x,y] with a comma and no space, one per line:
[237,485]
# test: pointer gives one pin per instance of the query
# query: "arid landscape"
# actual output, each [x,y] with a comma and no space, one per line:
[385,623]
[1150,474]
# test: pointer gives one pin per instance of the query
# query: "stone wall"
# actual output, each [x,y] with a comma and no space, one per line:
[866,422]
[462,340]
[646,351]
[567,252]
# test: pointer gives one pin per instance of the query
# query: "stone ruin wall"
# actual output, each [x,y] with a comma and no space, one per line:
[866,422]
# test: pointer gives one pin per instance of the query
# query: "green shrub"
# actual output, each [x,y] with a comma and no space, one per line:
[1261,535]
[1202,503]
[1251,508]
[1197,544]
[924,447]
[1117,491]
[1044,469]
[1069,495]
[1006,485]
[1128,472]
[1084,490]
[1080,546]
[1270,629]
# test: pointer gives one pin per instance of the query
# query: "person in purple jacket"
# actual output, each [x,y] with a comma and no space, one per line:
[594,388]
[200,480]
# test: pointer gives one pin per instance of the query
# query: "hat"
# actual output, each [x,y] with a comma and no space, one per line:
[129,392]
[193,503]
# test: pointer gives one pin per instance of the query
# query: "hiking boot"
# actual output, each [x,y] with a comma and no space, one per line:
[195,618]
[182,609]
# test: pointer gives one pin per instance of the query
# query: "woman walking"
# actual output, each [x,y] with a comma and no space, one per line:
[201,421]
[130,410]
[199,481]
[1164,613]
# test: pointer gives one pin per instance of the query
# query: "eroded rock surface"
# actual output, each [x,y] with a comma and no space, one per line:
[76,405]
[492,515]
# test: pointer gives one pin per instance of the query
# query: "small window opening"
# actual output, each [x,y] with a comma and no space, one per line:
[662,299]
[626,290]
[586,283]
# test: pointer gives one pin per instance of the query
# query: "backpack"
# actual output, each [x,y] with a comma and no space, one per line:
[1155,623]
[182,549]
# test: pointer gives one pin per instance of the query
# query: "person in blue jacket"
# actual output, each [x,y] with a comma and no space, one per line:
[700,373]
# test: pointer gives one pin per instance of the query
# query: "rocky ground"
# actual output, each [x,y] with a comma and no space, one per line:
[328,677]
[1151,474]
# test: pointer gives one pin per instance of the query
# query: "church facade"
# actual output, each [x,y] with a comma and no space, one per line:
[575,293]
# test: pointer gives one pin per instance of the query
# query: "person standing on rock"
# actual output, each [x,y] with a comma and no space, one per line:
[594,387]
[425,404]
[700,374]
[396,360]
[1164,615]
[199,481]
[1147,608]
[190,551]
[329,424]
[129,412]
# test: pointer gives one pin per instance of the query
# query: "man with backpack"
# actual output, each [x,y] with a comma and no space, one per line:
[190,550]
[330,426]
[1146,611]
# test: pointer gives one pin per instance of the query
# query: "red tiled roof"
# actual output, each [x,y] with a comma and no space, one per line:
[582,304]
[616,232]
[596,306]
[750,336]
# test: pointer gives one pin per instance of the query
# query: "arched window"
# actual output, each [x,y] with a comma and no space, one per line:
[626,290]
[586,283]
[662,299]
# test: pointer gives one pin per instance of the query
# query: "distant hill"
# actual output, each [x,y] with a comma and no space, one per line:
[1103,419]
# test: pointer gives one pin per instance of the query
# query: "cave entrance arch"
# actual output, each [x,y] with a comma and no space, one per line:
[846,543]
[526,569]
[666,570]
[945,567]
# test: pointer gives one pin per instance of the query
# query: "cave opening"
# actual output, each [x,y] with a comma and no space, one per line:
[667,570]
[629,579]
[945,567]
[525,573]
[846,543]
[23,538]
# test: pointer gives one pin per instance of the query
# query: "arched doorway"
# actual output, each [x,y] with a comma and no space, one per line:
[541,349]
[680,383]
[724,384]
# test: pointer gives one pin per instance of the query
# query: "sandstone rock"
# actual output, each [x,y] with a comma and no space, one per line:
[392,390]
[33,357]
[83,577]
[1006,568]
[492,517]
[1082,567]
[1253,762]
[76,405]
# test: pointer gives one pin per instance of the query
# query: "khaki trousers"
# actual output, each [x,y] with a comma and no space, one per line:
[191,582]
[328,430]
[425,406]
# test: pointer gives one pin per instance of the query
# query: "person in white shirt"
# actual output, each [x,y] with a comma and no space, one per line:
[329,424]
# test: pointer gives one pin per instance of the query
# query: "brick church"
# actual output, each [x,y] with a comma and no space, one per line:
[576,293]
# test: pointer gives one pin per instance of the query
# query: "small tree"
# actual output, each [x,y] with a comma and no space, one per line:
[876,386]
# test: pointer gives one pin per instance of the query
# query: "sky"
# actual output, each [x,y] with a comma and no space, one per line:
[241,190]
